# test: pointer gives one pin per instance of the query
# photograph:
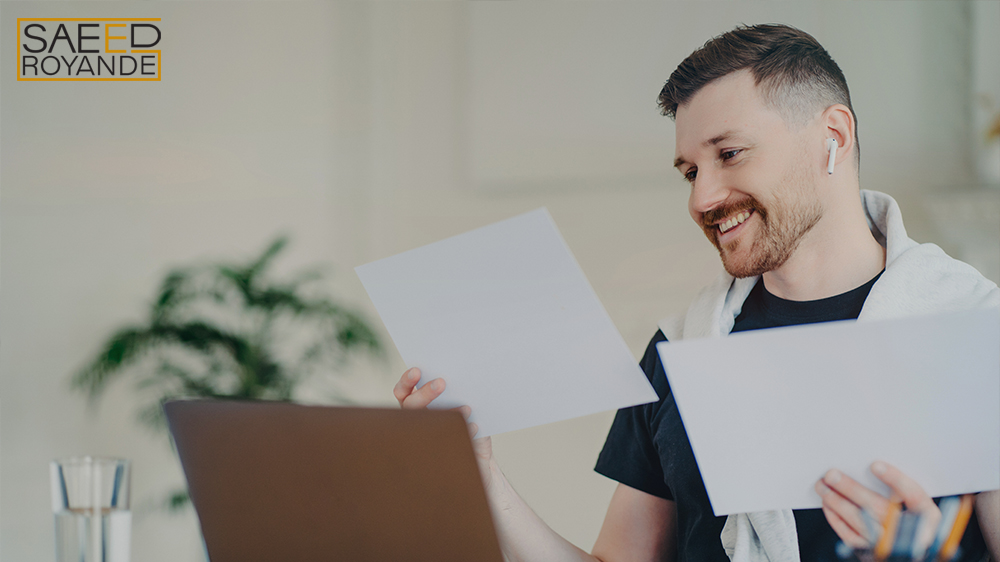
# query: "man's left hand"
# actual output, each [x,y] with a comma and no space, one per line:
[844,499]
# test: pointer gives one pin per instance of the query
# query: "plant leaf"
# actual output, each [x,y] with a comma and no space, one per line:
[123,348]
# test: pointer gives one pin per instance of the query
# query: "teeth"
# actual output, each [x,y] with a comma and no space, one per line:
[738,219]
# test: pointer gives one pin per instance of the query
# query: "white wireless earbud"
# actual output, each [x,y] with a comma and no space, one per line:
[831,145]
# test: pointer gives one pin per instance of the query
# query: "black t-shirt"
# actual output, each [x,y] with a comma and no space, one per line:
[648,448]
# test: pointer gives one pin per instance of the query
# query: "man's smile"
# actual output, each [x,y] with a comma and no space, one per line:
[724,225]
[733,221]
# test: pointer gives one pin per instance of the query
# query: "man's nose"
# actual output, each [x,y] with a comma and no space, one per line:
[708,192]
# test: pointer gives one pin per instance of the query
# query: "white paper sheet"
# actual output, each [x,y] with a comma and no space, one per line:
[769,412]
[505,315]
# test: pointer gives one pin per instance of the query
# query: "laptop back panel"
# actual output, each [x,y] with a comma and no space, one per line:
[279,481]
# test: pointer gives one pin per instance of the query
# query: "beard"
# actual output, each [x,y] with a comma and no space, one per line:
[781,227]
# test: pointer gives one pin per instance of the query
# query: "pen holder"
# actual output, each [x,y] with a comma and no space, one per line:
[897,537]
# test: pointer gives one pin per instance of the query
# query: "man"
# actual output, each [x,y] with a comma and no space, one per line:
[755,110]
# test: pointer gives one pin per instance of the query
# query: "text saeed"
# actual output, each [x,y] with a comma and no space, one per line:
[88,49]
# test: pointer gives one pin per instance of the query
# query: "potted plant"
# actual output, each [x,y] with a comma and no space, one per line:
[228,331]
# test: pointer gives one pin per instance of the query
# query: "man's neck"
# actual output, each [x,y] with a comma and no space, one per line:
[837,255]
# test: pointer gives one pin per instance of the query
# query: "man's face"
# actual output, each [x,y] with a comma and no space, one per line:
[753,191]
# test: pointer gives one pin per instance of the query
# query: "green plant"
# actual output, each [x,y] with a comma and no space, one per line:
[228,331]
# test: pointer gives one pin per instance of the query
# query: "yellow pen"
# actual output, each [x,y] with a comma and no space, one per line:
[957,529]
[889,526]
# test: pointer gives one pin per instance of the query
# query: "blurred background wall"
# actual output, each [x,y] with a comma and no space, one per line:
[363,129]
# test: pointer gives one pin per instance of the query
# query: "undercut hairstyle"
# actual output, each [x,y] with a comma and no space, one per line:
[793,72]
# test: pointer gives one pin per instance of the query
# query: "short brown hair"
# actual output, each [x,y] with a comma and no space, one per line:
[794,72]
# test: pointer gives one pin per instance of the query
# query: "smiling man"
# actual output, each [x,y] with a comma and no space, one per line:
[767,138]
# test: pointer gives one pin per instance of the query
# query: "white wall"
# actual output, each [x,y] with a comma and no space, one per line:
[365,129]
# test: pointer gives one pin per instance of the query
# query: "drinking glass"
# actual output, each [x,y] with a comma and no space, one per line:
[90,500]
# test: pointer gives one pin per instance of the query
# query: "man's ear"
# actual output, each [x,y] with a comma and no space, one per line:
[839,124]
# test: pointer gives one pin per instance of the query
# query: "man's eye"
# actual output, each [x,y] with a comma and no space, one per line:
[691,174]
[729,154]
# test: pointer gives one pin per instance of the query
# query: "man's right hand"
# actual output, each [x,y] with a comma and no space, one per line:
[412,398]
[639,526]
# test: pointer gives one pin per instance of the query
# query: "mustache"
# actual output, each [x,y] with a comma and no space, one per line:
[728,209]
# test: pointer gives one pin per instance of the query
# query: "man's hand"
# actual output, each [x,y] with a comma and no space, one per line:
[411,398]
[844,499]
[638,526]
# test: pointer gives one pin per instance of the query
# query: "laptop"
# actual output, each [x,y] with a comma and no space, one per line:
[277,481]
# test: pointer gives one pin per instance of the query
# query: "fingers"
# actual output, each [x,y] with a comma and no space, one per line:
[423,396]
[413,399]
[419,398]
[855,493]
[483,446]
[844,516]
[913,496]
[466,412]
[846,533]
[405,385]
[844,500]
